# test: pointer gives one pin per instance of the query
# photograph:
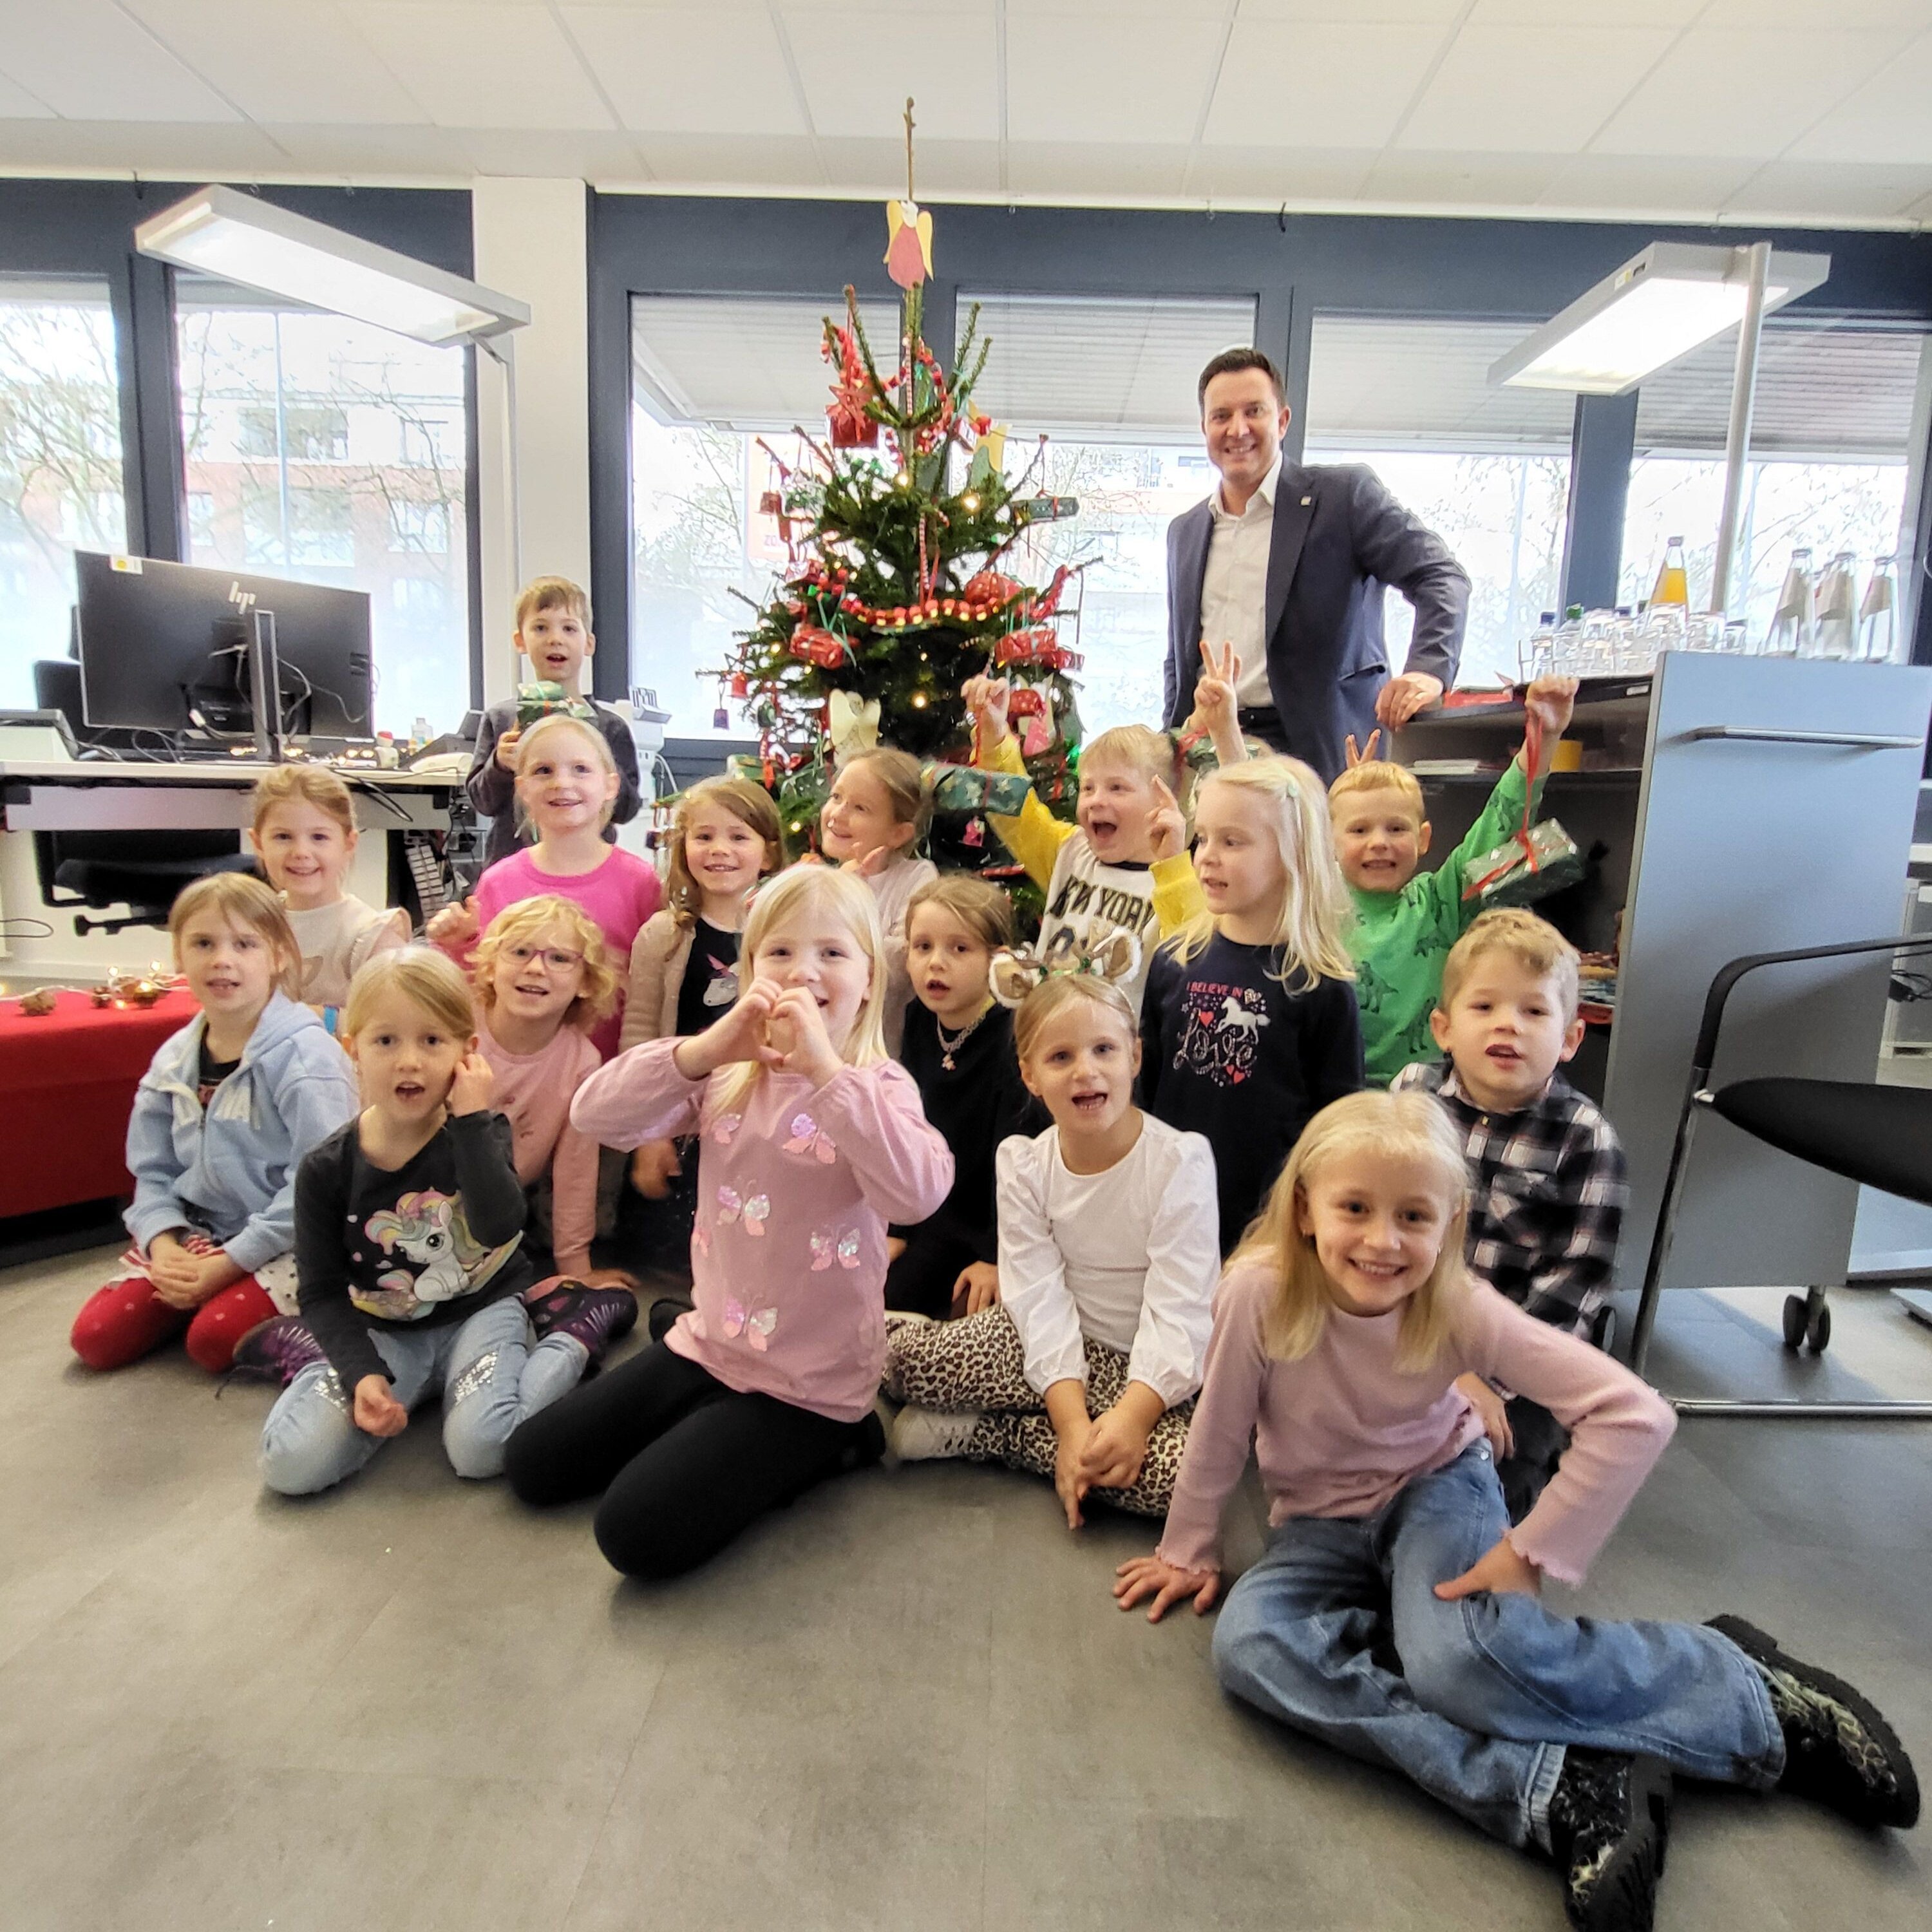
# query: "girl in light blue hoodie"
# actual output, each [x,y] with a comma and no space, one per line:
[221,1120]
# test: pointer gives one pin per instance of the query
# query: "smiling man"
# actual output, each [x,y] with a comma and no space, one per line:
[1287,562]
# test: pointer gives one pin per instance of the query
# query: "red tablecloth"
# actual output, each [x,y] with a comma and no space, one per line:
[67,1087]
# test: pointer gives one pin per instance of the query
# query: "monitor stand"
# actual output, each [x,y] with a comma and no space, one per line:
[264,689]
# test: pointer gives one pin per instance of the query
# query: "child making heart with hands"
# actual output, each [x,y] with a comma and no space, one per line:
[1085,1371]
[408,1247]
[1394,1615]
[810,1141]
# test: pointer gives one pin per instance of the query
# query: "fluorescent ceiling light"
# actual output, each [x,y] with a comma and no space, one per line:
[1659,306]
[240,238]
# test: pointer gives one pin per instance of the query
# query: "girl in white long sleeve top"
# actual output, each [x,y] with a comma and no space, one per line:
[1086,1374]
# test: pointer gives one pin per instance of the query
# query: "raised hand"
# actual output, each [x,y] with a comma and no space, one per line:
[1166,828]
[797,1034]
[475,1083]
[1216,690]
[987,699]
[739,1035]
[1167,1583]
[506,747]
[454,926]
[1551,701]
[1366,754]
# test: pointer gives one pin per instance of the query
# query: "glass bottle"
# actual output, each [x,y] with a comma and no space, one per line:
[1835,633]
[1795,617]
[1878,615]
[1673,580]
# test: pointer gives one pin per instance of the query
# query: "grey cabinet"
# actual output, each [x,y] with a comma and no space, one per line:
[1733,805]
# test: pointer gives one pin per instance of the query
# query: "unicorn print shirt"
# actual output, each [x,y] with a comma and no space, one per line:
[1229,1051]
[796,1184]
[422,1245]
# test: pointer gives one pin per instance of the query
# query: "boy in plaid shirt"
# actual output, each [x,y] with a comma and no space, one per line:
[1545,1169]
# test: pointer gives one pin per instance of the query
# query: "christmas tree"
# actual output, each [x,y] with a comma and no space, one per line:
[900,529]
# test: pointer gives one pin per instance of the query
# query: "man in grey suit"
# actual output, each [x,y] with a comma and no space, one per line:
[1287,562]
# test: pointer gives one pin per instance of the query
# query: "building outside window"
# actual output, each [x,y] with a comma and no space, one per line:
[331,452]
[60,488]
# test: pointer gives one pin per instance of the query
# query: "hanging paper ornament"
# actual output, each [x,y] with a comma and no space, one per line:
[908,243]
[852,725]
[990,586]
[847,421]
[741,685]
[1024,702]
[988,454]
[720,719]
[812,644]
[975,834]
[1039,737]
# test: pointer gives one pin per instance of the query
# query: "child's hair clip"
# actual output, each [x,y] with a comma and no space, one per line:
[1016,970]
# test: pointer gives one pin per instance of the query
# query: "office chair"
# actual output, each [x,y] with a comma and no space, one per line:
[1878,1136]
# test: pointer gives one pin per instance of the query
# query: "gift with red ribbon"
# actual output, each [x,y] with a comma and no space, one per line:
[812,644]
[1536,861]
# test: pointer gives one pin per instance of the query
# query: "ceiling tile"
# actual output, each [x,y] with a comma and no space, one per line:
[418,152]
[278,64]
[90,61]
[1838,189]
[1215,11]
[591,153]
[1316,86]
[178,151]
[1840,16]
[952,10]
[1065,83]
[945,167]
[17,104]
[1723,91]
[874,167]
[677,71]
[1887,119]
[1356,12]
[1645,184]
[495,66]
[1459,178]
[1271,175]
[864,97]
[1585,13]
[1078,171]
[1539,91]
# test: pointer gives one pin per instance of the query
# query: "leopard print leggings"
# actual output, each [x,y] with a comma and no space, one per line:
[978,1363]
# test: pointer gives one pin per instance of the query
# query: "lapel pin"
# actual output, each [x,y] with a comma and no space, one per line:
[1306,501]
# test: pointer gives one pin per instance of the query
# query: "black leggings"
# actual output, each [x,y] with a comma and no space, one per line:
[683,1463]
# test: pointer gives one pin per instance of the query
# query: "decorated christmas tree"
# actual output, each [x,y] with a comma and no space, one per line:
[903,536]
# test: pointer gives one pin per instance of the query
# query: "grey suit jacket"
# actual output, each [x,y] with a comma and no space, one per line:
[1339,537]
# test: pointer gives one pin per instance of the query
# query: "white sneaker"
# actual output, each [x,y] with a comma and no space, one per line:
[923,1434]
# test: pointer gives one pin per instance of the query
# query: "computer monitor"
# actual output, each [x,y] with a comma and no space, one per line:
[165,647]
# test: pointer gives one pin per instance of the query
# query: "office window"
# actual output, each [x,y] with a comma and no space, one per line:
[1830,435]
[1487,470]
[60,463]
[331,452]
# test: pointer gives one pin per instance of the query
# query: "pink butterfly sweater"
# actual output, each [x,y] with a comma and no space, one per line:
[795,1187]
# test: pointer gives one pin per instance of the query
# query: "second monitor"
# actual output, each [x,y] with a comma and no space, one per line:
[165,647]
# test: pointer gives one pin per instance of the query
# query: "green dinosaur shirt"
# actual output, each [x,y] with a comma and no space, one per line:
[1401,939]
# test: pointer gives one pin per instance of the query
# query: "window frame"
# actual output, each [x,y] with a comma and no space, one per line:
[83,230]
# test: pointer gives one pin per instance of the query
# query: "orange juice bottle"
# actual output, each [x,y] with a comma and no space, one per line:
[1673,581]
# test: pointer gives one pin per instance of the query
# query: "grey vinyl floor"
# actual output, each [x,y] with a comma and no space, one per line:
[906,1702]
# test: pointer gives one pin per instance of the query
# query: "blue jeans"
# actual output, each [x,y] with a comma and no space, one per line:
[1337,1631]
[491,1380]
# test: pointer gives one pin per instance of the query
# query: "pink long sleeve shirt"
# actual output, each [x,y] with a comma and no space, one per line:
[620,895]
[534,1091]
[1340,1432]
[795,1187]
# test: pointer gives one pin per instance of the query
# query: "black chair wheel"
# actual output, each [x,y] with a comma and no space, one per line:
[1794,1322]
[1818,1334]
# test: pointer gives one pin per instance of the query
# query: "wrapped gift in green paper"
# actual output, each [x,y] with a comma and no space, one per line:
[967,788]
[1541,859]
[539,700]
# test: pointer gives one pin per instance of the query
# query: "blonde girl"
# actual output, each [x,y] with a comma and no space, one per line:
[408,1243]
[567,787]
[305,838]
[958,1047]
[221,1119]
[1249,1025]
[1085,1371]
[880,809]
[1395,1614]
[543,979]
[810,1140]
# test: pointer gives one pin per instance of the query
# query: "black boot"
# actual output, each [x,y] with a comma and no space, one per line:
[1838,1749]
[1609,1829]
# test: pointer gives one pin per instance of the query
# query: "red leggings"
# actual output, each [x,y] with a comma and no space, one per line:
[126,1320]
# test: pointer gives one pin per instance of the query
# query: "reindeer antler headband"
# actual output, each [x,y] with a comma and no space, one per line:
[1016,970]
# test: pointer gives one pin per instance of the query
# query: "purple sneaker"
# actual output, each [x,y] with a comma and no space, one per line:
[278,1350]
[594,1316]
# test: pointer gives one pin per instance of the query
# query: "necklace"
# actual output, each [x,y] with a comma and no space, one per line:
[948,1047]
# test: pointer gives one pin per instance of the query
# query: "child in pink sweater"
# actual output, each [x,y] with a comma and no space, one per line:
[811,1140]
[1395,1614]
[567,785]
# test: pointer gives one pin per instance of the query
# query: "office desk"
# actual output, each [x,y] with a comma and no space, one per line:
[99,795]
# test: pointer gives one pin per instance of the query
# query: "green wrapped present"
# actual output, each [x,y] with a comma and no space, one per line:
[967,788]
[539,700]
[1541,859]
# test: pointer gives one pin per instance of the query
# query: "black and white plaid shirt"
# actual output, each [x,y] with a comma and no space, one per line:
[1546,1196]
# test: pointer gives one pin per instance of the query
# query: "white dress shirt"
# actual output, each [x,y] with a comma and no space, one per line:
[1130,1256]
[1234,591]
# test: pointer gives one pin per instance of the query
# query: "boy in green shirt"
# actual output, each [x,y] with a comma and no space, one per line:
[1406,920]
